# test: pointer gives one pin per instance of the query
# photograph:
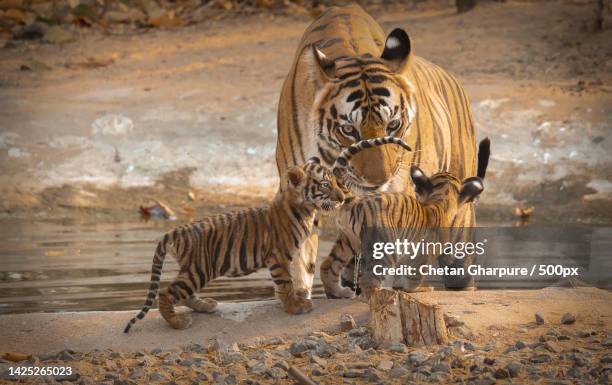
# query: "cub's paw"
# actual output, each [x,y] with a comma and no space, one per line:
[201,305]
[180,321]
[337,292]
[297,305]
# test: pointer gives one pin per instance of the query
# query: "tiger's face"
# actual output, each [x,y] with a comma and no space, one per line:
[315,184]
[364,97]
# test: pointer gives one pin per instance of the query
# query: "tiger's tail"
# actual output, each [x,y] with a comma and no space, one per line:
[340,166]
[156,270]
[484,151]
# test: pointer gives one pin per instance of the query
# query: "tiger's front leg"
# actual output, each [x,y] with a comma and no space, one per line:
[292,301]
[303,267]
[332,266]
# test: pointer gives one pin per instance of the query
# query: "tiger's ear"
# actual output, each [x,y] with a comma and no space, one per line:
[470,189]
[296,175]
[422,184]
[397,50]
[325,66]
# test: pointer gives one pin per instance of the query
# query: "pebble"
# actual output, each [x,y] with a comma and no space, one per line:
[353,373]
[299,347]
[539,318]
[520,345]
[347,322]
[397,373]
[416,358]
[358,332]
[385,365]
[452,320]
[541,358]
[489,361]
[553,347]
[501,373]
[441,367]
[568,319]
[607,342]
[397,348]
[514,368]
[318,372]
[232,358]
[155,377]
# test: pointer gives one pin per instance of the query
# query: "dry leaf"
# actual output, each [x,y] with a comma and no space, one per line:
[15,357]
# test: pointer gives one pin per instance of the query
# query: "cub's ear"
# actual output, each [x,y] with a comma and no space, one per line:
[470,189]
[296,176]
[325,66]
[422,184]
[397,50]
[314,159]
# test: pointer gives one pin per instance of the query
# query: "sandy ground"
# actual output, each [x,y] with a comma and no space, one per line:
[163,117]
[480,310]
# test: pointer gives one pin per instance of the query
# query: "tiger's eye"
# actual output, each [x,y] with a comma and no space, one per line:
[393,125]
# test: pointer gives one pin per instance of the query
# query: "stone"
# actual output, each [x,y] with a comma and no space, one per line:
[353,373]
[232,358]
[514,368]
[568,319]
[441,367]
[607,342]
[156,377]
[347,322]
[457,363]
[358,332]
[563,337]
[541,359]
[301,346]
[452,320]
[318,372]
[397,373]
[365,342]
[489,361]
[65,355]
[385,365]
[553,347]
[416,358]
[539,318]
[397,348]
[501,373]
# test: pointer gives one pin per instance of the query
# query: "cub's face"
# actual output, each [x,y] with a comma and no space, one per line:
[316,185]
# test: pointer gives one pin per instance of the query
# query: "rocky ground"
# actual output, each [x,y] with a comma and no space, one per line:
[550,353]
[550,336]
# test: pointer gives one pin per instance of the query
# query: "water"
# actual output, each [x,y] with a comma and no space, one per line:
[75,265]
[84,264]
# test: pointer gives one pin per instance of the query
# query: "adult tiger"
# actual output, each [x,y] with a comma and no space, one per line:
[348,82]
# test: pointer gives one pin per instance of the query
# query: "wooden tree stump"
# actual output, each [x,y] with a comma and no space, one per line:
[399,317]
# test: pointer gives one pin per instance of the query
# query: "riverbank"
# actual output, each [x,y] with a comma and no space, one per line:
[498,341]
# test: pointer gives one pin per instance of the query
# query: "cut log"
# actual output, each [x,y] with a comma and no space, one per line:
[400,317]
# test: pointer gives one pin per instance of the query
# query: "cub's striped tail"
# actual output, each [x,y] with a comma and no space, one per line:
[340,166]
[484,151]
[156,270]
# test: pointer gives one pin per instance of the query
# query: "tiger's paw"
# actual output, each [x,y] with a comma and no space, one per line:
[297,305]
[338,292]
[201,305]
[180,321]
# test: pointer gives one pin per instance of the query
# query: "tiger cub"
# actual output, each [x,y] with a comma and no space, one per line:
[440,198]
[239,243]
